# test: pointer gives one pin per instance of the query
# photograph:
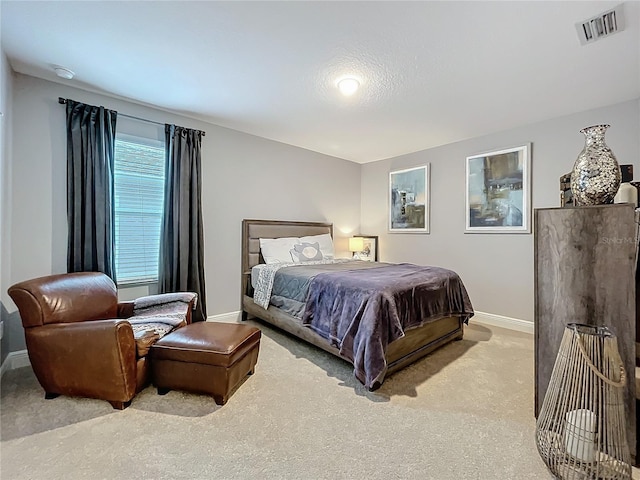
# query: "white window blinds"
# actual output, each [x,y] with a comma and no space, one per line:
[139,201]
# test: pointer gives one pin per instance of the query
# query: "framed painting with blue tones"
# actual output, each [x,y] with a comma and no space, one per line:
[498,191]
[409,200]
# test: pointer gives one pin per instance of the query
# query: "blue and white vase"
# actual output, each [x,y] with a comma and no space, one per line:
[595,178]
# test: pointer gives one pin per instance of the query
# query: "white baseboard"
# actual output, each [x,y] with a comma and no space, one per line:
[20,358]
[230,317]
[480,317]
[6,365]
[503,322]
[15,360]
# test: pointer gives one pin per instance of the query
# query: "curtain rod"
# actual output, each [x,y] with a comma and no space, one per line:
[63,101]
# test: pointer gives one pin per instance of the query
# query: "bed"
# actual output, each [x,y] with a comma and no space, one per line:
[402,348]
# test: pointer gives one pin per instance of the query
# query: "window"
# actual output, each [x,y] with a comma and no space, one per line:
[139,197]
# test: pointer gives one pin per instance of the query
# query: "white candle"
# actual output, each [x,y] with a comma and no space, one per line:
[579,434]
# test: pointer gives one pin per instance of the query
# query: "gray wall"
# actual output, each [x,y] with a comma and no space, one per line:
[497,268]
[250,177]
[6,82]
[244,176]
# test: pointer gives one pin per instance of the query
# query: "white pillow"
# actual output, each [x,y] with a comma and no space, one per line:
[325,241]
[277,250]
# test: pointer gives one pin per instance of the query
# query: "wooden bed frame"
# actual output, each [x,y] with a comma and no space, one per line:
[416,343]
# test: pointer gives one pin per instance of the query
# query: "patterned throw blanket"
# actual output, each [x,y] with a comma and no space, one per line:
[161,313]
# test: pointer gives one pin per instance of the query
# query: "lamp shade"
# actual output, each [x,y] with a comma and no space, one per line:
[356,244]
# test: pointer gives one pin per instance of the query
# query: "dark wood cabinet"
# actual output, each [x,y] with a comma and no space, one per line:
[584,266]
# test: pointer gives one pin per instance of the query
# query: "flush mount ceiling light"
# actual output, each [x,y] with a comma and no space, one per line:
[348,86]
[64,73]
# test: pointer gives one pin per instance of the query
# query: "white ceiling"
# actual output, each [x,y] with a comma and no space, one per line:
[432,73]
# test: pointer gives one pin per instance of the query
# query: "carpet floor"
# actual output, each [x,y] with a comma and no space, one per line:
[463,412]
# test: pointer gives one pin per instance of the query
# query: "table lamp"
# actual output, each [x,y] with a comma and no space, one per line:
[356,245]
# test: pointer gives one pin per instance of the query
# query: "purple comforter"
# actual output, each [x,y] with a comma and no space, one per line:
[362,311]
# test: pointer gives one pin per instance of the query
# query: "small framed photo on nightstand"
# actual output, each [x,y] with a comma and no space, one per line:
[369,252]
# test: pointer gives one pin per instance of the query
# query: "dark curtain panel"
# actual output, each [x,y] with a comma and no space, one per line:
[181,265]
[90,205]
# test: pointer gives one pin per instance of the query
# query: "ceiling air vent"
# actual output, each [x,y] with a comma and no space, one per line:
[600,26]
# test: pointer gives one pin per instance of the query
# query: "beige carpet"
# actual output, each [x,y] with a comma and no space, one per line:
[464,412]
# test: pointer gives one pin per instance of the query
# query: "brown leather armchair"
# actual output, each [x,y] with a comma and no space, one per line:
[78,339]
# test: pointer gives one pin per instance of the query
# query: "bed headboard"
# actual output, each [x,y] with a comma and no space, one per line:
[254,230]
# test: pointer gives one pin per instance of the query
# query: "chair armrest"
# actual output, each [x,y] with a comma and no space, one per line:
[188,316]
[125,309]
[92,359]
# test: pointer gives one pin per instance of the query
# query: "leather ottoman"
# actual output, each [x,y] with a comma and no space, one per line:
[205,357]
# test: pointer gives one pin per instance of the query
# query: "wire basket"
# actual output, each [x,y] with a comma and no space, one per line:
[581,429]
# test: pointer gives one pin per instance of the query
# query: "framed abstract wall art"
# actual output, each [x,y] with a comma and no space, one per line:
[498,191]
[409,200]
